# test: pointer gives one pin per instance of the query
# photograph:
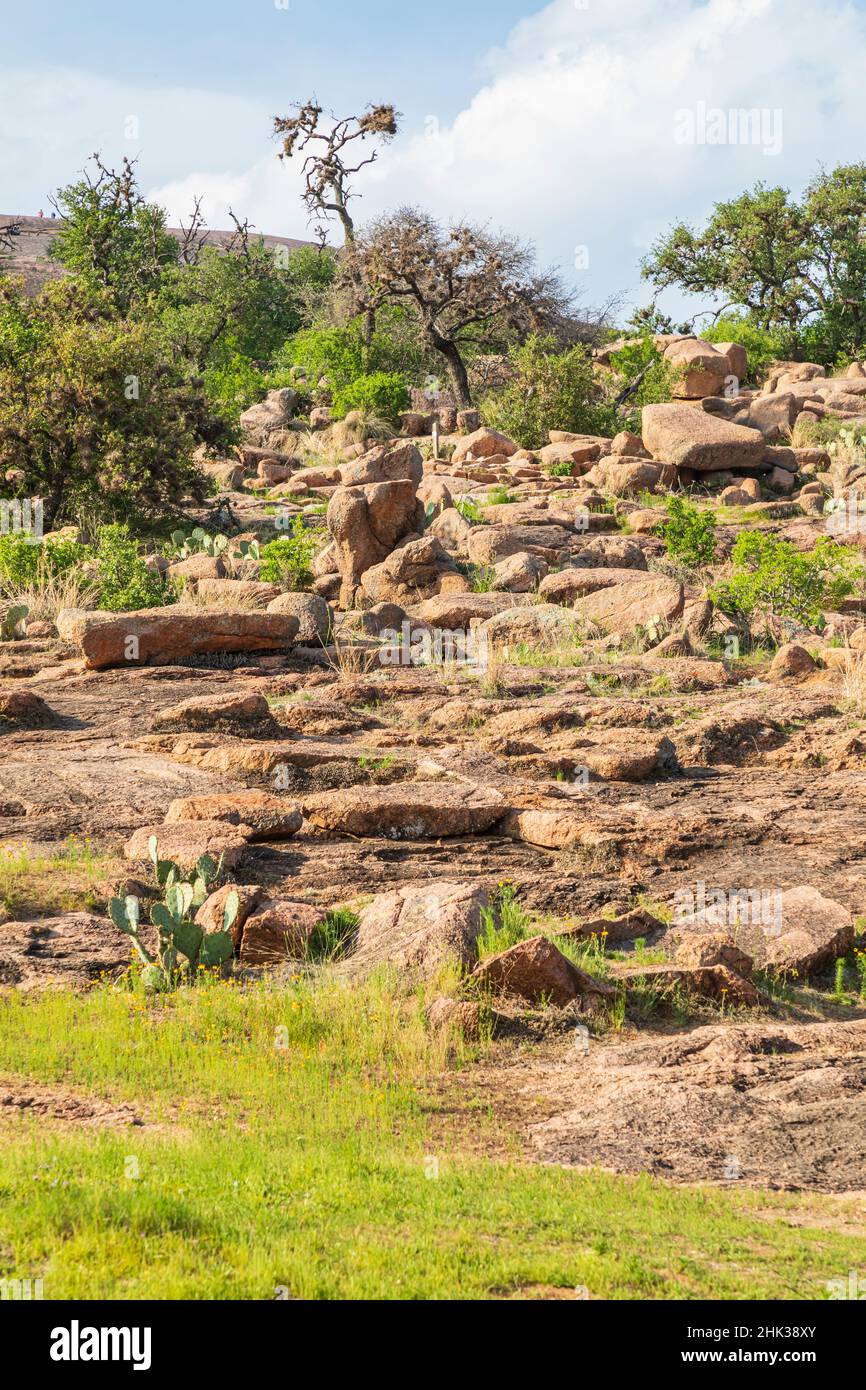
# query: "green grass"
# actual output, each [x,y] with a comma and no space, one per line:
[289,1143]
[482,578]
[68,880]
[368,763]
[331,938]
[503,924]
[499,496]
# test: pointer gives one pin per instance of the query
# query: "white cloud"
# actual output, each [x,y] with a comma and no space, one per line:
[53,119]
[570,142]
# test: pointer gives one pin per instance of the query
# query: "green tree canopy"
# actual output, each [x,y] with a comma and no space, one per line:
[784,261]
[111,240]
[92,413]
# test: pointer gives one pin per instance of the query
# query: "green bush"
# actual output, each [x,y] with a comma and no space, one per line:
[563,469]
[233,386]
[551,390]
[334,353]
[499,496]
[341,355]
[381,394]
[690,535]
[25,564]
[125,583]
[288,560]
[773,576]
[470,511]
[641,363]
[762,345]
[93,412]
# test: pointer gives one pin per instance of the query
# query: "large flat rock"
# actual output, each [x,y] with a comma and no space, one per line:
[270,817]
[186,842]
[690,437]
[155,636]
[650,602]
[408,810]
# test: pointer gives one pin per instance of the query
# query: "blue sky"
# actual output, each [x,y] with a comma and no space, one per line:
[563,122]
[255,46]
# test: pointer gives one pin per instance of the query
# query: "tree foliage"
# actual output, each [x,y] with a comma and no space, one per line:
[91,411]
[112,240]
[785,261]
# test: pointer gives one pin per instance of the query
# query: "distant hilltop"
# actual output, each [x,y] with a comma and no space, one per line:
[30,249]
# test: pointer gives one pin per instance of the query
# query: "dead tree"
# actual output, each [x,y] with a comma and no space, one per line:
[467,286]
[334,154]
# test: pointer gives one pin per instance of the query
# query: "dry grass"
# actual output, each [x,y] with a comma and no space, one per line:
[328,446]
[493,679]
[234,602]
[50,593]
[349,659]
[854,683]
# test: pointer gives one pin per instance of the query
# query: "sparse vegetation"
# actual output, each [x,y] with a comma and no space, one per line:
[771,576]
[690,534]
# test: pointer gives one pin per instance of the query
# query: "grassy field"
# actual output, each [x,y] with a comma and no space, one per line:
[287,1149]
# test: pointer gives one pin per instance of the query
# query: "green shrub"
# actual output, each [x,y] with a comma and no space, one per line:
[482,578]
[335,353]
[384,395]
[341,355]
[234,385]
[124,581]
[499,496]
[772,575]
[288,560]
[470,511]
[551,390]
[690,535]
[762,345]
[94,412]
[563,469]
[25,564]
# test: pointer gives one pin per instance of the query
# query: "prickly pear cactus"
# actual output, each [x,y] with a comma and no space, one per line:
[183,947]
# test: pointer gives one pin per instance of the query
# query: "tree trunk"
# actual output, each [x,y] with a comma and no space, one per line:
[51,504]
[454,366]
[369,330]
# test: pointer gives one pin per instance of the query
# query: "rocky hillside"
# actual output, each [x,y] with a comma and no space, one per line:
[506,724]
